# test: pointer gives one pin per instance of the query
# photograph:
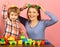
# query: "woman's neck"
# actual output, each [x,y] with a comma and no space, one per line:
[33,23]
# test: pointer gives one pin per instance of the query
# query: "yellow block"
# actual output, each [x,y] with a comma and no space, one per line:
[11,38]
[39,43]
[19,41]
[33,42]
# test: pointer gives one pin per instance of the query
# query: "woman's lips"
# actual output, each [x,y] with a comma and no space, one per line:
[31,16]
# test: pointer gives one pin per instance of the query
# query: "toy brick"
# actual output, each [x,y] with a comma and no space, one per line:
[19,41]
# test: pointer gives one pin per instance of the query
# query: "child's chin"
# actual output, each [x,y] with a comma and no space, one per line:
[13,20]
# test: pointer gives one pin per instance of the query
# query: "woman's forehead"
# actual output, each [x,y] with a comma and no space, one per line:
[32,9]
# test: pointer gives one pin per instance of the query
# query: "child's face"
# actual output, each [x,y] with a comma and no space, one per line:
[32,14]
[13,16]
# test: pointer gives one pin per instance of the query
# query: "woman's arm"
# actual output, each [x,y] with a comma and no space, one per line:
[24,7]
[22,19]
[52,16]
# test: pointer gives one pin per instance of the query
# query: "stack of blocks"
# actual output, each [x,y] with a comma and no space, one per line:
[11,40]
[24,41]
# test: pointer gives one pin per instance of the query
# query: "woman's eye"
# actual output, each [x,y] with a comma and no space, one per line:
[29,12]
[34,12]
[15,15]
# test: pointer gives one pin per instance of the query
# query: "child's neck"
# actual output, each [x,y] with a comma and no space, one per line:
[13,20]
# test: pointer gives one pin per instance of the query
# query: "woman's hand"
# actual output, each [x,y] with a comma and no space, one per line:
[24,7]
[42,8]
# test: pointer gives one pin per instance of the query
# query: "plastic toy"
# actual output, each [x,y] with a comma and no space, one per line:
[47,42]
[29,42]
[20,42]
[11,40]
[2,41]
[42,42]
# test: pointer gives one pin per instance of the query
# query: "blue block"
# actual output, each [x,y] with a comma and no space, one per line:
[24,40]
[47,42]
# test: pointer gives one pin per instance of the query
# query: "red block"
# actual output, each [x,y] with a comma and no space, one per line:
[42,42]
[6,40]
[36,43]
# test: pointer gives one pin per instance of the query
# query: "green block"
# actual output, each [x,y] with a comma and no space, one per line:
[22,37]
[29,42]
[2,41]
[12,42]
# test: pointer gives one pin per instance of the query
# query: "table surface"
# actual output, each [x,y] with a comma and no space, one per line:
[50,45]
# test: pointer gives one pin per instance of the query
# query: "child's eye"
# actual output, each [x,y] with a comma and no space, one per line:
[34,12]
[15,15]
[11,14]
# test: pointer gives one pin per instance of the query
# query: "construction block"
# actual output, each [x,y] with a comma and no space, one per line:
[20,42]
[24,40]
[29,42]
[47,42]
[2,41]
[6,41]
[11,38]
[33,42]
[22,37]
[12,42]
[42,42]
[39,42]
[36,43]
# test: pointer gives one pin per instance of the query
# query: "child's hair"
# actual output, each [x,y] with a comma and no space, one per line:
[13,9]
[38,10]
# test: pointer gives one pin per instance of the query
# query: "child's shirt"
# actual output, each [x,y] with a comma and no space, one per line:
[12,28]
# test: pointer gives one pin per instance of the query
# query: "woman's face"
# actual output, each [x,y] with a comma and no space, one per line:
[32,13]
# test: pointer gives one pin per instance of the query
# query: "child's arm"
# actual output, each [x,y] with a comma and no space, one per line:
[23,30]
[24,33]
[4,12]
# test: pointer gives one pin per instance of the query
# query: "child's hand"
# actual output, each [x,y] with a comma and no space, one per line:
[4,6]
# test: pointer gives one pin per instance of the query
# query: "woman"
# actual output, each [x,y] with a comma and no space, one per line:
[35,26]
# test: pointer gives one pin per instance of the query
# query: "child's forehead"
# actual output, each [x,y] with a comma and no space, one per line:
[13,12]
